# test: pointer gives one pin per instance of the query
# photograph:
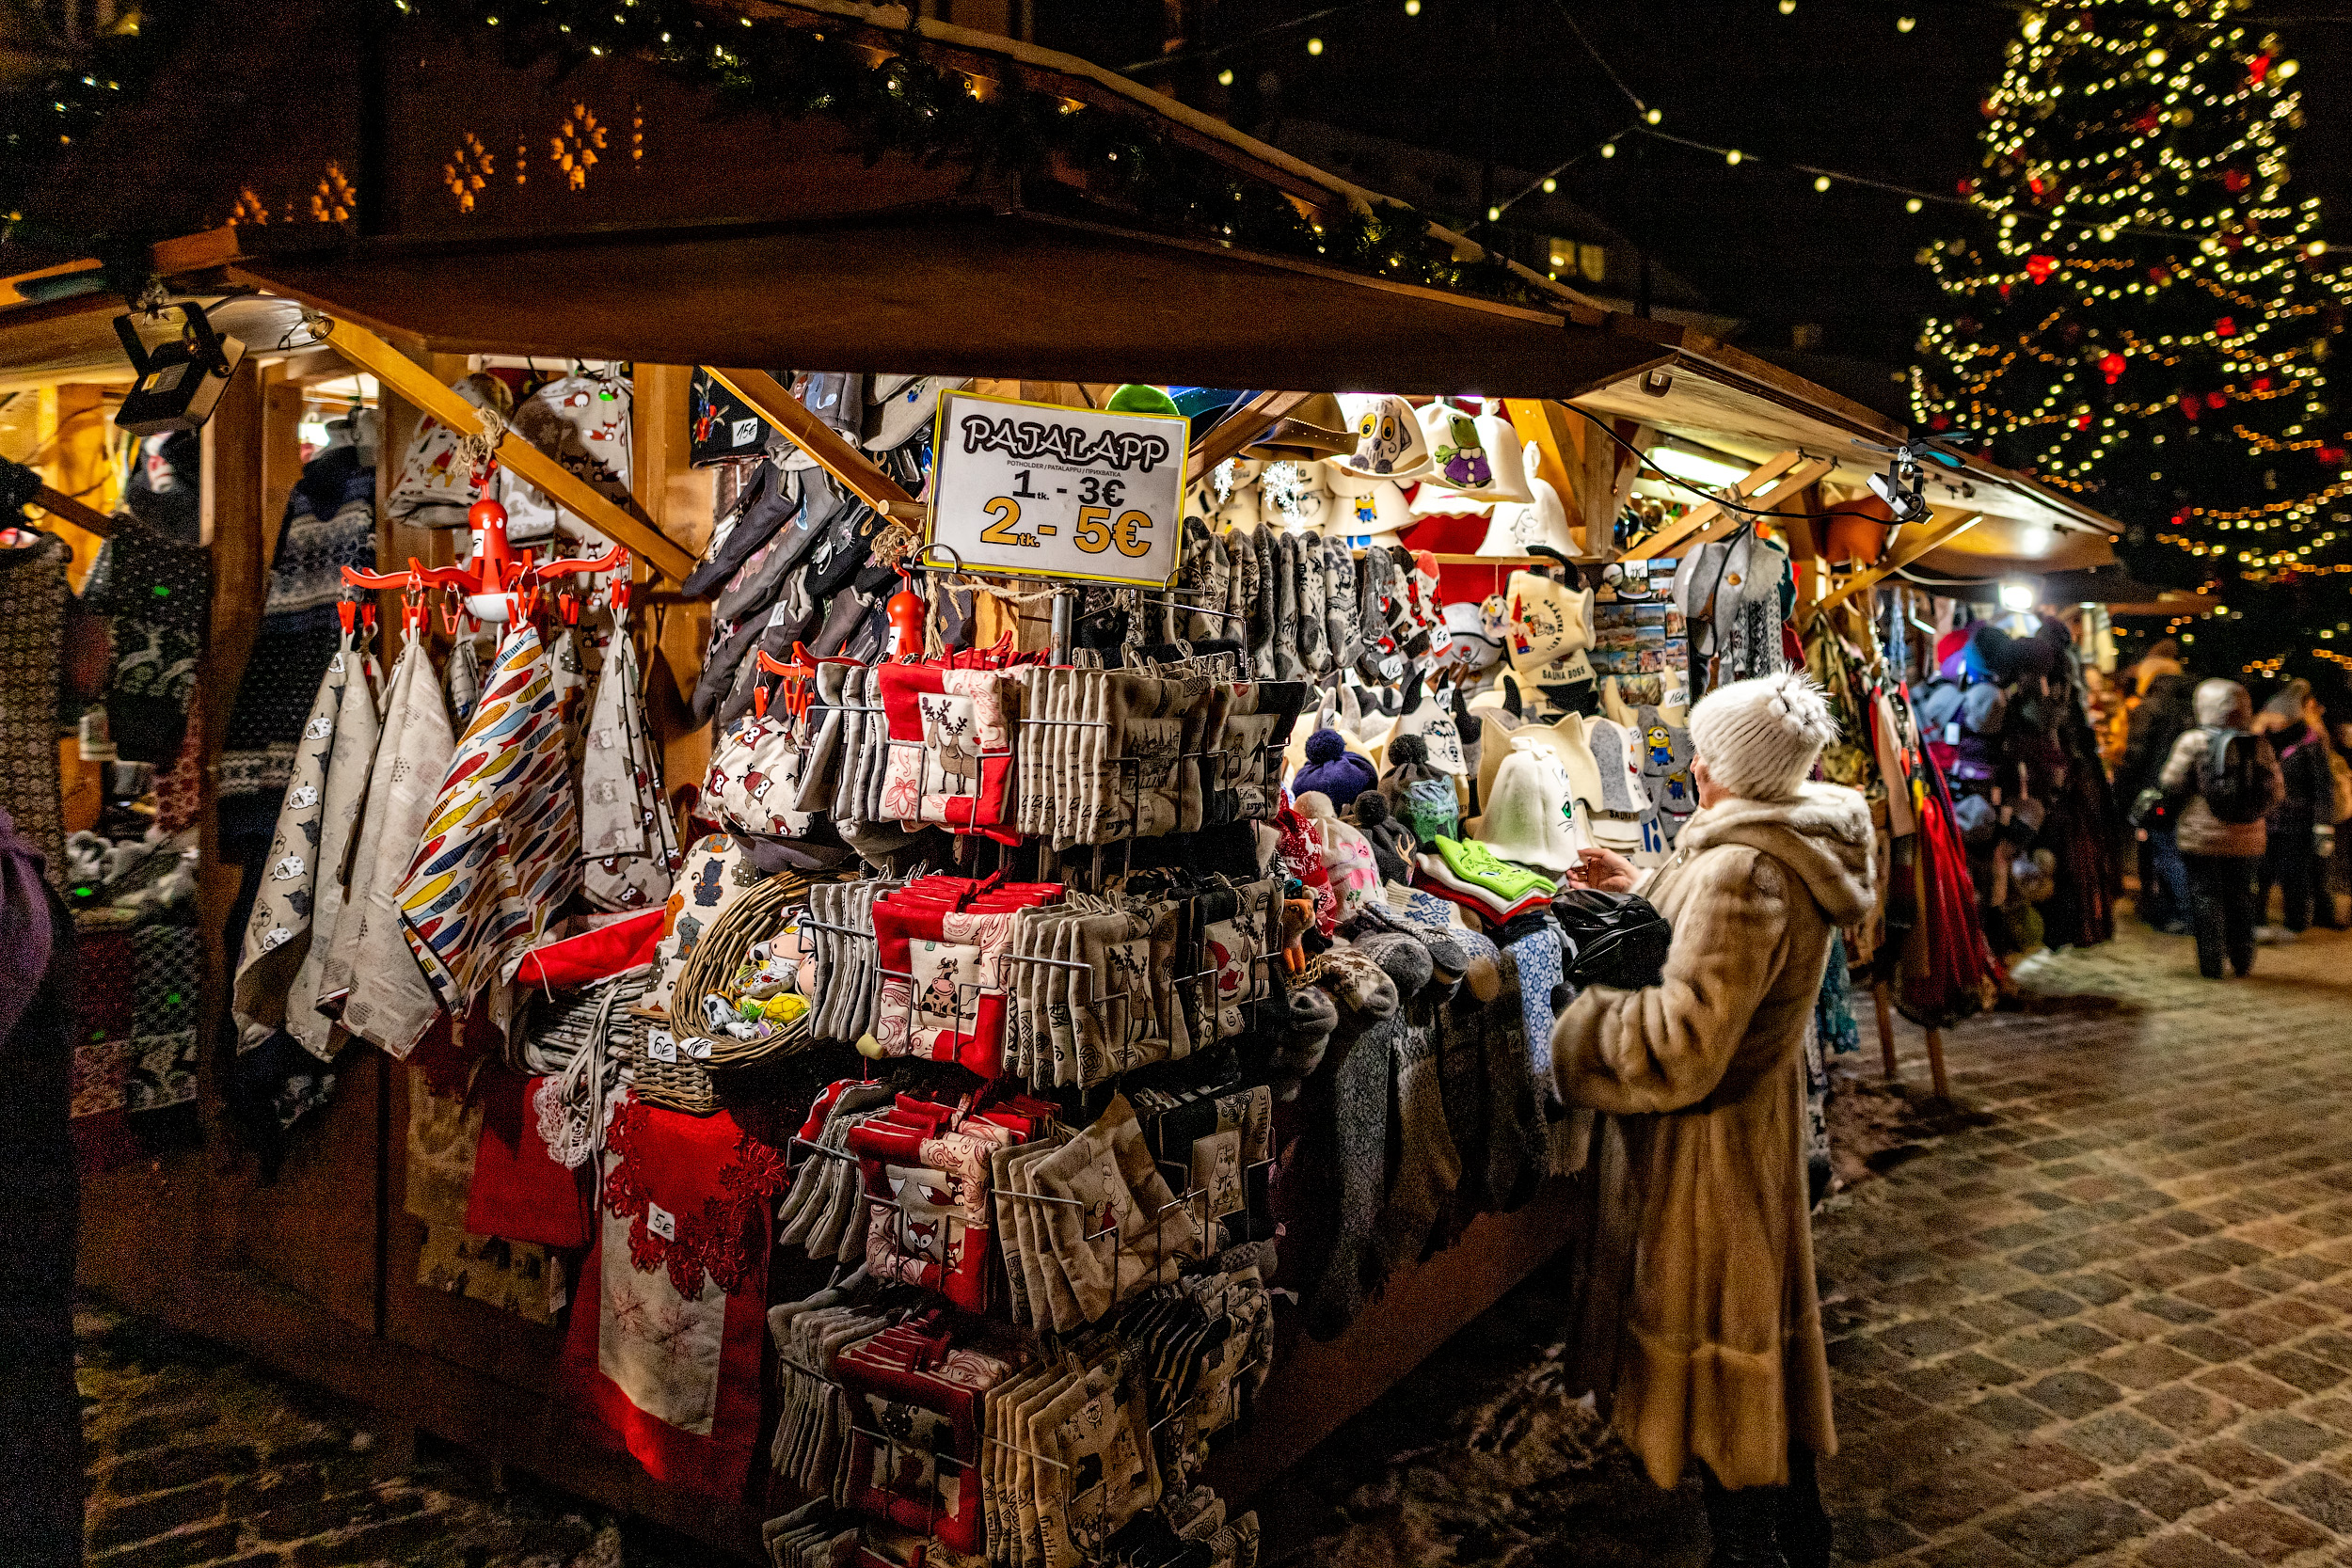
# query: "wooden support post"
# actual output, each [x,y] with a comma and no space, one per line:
[673,636]
[1897,560]
[1887,1030]
[1936,1064]
[229,511]
[396,371]
[833,452]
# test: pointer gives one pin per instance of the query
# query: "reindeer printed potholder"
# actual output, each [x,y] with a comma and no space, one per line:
[950,758]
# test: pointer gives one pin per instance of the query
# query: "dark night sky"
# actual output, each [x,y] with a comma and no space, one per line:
[1833,84]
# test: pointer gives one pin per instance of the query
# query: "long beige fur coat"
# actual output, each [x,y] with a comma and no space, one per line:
[1701,1317]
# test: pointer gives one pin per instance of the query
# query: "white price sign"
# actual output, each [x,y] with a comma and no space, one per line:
[1053,492]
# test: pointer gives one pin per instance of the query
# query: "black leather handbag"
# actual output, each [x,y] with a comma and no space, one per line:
[1614,939]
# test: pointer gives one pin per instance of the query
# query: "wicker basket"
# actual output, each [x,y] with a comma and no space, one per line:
[680,1085]
[711,968]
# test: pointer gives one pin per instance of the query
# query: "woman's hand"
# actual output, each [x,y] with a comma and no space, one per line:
[1605,871]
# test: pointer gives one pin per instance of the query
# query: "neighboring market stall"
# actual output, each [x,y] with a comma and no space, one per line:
[830,917]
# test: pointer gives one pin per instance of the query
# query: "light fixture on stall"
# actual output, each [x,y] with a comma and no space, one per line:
[2018,594]
[2033,541]
[181,380]
[1697,467]
[1905,477]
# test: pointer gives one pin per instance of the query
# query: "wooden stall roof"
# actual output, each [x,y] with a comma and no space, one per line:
[1721,397]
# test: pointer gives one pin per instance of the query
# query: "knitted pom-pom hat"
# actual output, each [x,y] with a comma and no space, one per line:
[1760,737]
[1333,770]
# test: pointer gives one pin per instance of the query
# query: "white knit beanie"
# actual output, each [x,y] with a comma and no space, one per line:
[1760,737]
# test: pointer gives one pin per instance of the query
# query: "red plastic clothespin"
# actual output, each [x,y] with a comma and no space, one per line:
[412,603]
[567,606]
[906,612]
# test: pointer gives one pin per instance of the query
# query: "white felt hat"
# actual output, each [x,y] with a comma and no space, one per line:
[1389,443]
[1377,513]
[1502,443]
[1457,451]
[1527,812]
[908,411]
[1516,530]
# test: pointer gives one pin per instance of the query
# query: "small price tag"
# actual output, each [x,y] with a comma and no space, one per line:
[661,1221]
[697,1047]
[660,1045]
[1951,732]
[1393,667]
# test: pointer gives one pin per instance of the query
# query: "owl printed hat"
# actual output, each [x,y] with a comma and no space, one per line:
[1389,441]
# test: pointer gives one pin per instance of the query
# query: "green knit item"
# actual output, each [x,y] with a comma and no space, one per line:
[1475,862]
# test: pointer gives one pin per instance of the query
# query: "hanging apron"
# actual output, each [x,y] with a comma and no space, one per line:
[388,1000]
[625,828]
[278,936]
[348,771]
[501,856]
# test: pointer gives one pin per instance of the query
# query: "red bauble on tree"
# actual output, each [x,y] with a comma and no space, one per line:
[2226,326]
[2111,366]
[2039,267]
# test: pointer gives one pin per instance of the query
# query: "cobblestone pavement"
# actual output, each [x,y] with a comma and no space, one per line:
[2112,1323]
[2098,1313]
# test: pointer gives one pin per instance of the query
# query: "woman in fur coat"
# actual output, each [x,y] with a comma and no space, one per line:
[1701,1318]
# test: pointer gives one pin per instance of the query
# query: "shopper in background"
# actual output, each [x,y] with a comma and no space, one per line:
[2162,657]
[2335,807]
[1708,1339]
[2230,780]
[2290,858]
[2165,711]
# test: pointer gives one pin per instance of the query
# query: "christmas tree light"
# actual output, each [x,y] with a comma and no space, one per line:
[2147,325]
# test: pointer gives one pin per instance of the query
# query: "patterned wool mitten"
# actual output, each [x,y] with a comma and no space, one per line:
[1283,549]
[1300,1048]
[1315,635]
[1339,604]
[1265,614]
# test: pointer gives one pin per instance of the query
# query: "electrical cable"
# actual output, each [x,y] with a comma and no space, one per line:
[1611,71]
[1212,52]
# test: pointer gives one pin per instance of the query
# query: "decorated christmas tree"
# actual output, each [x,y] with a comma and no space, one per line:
[2145,317]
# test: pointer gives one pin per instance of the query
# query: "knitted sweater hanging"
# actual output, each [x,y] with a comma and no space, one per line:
[329,524]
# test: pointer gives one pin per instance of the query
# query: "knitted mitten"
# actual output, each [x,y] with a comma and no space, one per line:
[1359,984]
[1299,1050]
[1265,623]
[1282,548]
[1314,634]
[1430,1167]
[1339,604]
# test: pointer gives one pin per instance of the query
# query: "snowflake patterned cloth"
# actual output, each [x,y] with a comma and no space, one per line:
[665,1340]
[500,857]
[277,933]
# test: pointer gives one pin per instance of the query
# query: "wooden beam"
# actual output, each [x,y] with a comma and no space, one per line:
[835,454]
[1236,430]
[404,376]
[1791,486]
[1897,560]
[58,505]
[1671,538]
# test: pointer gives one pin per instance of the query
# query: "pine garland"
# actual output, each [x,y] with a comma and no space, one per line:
[904,105]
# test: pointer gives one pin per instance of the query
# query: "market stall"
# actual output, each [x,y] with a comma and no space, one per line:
[604,716]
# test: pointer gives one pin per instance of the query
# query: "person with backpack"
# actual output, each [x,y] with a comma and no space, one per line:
[2290,859]
[2229,781]
[2164,713]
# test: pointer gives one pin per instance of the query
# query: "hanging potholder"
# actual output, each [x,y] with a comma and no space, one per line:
[625,828]
[500,857]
